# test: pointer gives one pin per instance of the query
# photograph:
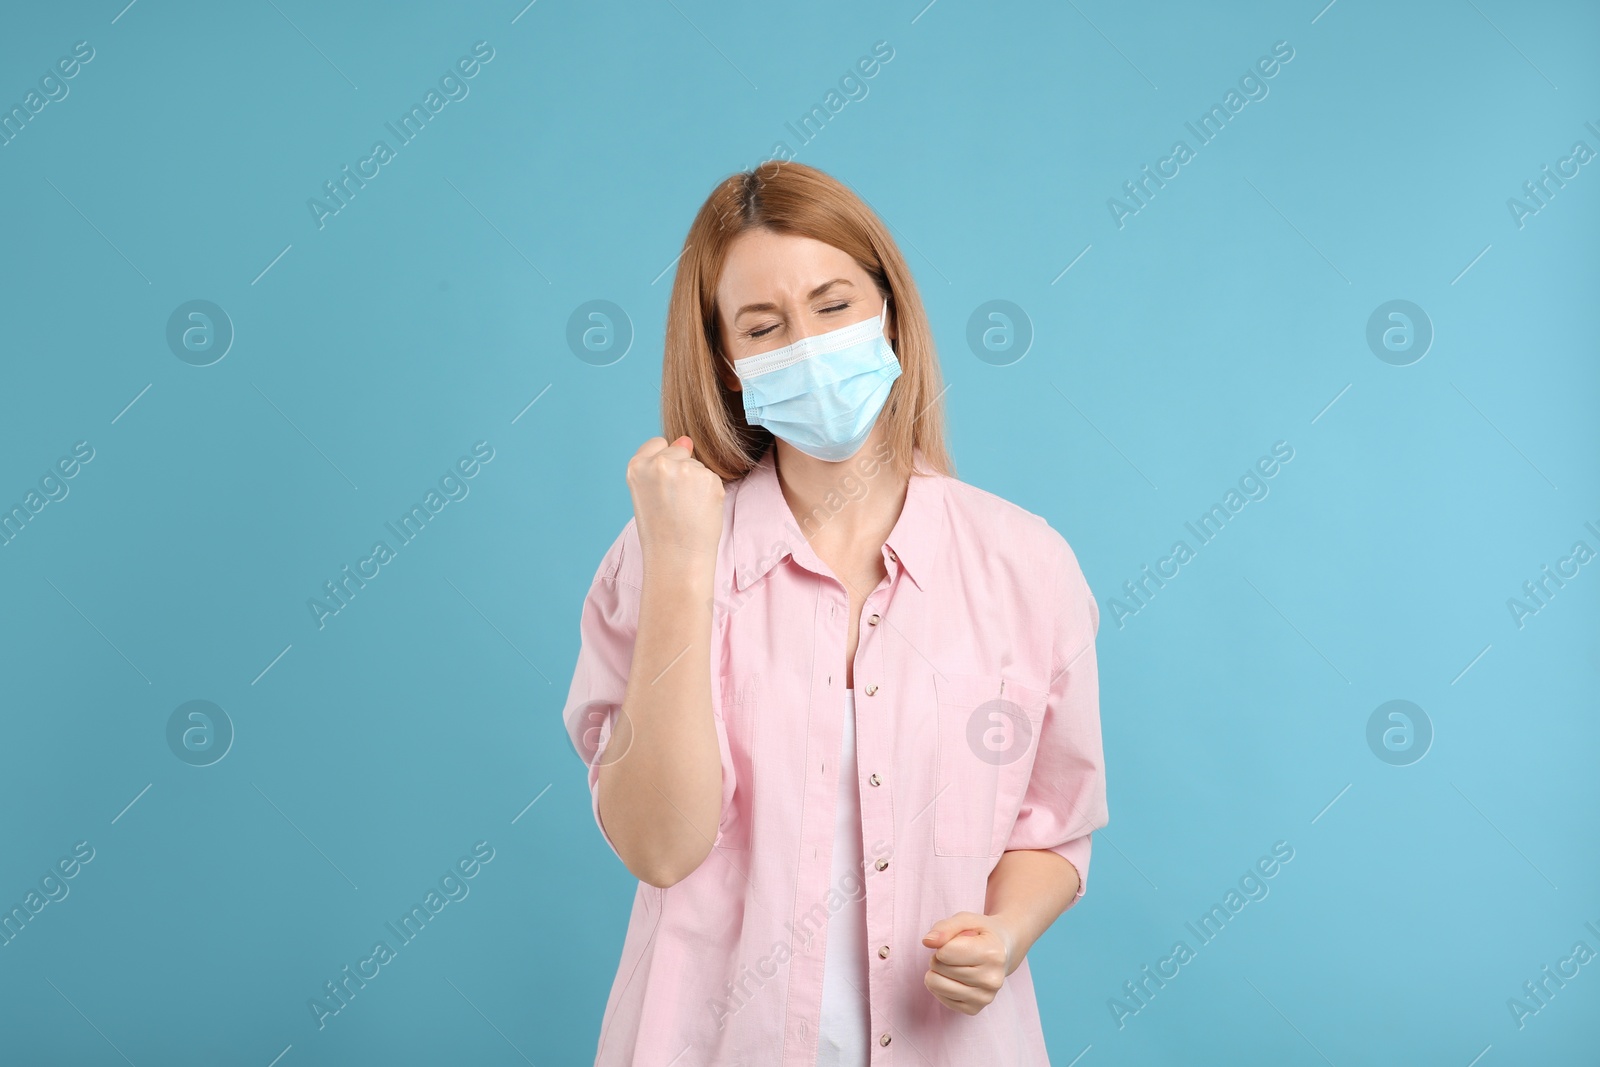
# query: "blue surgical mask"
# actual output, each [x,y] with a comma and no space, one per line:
[822,394]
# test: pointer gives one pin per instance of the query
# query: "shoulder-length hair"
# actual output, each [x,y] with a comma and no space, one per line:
[791,198]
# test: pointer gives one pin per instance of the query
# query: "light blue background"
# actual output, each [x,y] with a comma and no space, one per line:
[1228,314]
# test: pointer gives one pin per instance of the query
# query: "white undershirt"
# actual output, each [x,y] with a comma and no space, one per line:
[842,1037]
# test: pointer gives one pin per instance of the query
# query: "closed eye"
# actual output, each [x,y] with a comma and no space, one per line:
[756,335]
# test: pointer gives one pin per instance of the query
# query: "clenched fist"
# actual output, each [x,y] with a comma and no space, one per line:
[971,959]
[677,504]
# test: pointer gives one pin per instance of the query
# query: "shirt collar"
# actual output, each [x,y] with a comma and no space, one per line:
[765,530]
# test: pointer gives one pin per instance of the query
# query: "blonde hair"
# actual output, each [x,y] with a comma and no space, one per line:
[790,198]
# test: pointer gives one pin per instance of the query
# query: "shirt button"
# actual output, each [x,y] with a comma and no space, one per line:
[883,952]
[875,780]
[883,1039]
[881,864]
[897,560]
[872,620]
[871,689]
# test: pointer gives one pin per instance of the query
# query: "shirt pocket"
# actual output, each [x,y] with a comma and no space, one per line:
[735,711]
[988,734]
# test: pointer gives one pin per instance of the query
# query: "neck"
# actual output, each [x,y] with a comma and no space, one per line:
[852,503]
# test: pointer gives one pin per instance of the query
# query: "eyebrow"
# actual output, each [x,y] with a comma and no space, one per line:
[818,291]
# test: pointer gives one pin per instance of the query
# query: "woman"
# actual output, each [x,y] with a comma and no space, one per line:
[840,709]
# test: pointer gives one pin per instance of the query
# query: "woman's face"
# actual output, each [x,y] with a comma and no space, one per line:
[778,288]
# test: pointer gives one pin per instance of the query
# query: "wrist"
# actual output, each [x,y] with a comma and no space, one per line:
[1006,929]
[680,571]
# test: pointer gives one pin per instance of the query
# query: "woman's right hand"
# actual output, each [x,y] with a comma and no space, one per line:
[677,504]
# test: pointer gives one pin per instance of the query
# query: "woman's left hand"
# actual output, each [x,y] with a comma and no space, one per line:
[971,960]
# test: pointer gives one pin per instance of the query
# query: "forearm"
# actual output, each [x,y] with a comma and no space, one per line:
[661,793]
[1028,890]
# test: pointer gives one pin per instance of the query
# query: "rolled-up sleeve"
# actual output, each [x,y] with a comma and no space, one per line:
[607,628]
[1065,800]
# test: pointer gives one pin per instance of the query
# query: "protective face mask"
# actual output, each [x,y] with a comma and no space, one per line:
[822,394]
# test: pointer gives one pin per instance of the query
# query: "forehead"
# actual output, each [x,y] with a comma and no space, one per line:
[763,265]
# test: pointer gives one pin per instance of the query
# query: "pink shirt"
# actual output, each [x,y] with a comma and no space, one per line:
[978,731]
